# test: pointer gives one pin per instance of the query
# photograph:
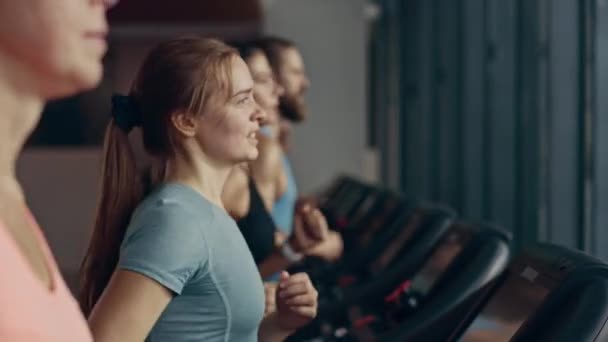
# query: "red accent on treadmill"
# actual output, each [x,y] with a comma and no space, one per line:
[393,296]
[346,280]
[365,320]
[341,223]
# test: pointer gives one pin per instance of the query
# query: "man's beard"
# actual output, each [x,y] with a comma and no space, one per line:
[293,108]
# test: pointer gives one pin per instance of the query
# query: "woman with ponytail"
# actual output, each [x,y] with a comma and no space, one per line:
[166,262]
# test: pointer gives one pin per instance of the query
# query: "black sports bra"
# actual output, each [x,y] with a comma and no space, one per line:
[257,226]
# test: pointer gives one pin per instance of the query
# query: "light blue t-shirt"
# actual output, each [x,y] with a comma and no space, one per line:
[283,208]
[192,247]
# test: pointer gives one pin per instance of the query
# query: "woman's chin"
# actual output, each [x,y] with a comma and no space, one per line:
[252,154]
[249,155]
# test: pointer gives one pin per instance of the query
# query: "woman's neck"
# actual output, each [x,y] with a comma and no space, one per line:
[204,176]
[20,109]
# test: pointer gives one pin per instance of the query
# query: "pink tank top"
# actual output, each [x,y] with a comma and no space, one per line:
[29,310]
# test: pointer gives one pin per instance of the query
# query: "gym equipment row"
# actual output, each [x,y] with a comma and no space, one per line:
[415,271]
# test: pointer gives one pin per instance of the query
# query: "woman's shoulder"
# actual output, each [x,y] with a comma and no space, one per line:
[173,204]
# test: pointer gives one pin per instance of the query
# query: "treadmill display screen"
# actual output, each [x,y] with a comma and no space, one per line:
[347,204]
[516,299]
[412,224]
[378,222]
[448,248]
[364,209]
[337,195]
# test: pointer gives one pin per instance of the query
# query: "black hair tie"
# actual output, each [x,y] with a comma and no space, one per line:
[125,112]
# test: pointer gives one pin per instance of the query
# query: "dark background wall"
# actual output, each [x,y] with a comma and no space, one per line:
[501,108]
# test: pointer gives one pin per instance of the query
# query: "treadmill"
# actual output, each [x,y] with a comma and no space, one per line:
[374,272]
[428,306]
[379,213]
[381,253]
[549,293]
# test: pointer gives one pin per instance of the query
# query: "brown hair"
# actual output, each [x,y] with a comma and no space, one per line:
[182,75]
[273,48]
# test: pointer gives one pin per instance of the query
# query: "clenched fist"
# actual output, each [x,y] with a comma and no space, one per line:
[296,301]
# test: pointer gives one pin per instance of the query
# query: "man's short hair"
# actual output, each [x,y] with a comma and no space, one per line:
[273,47]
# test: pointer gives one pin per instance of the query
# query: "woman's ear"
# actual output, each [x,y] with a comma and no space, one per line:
[185,124]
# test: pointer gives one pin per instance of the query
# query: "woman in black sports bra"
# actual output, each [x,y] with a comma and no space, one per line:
[250,188]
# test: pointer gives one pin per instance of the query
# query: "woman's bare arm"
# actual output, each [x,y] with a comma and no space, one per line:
[128,308]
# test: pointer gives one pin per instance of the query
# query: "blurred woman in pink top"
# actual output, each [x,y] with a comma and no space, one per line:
[48,49]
